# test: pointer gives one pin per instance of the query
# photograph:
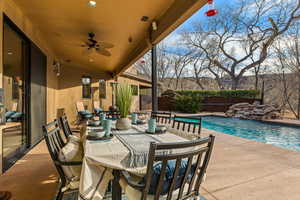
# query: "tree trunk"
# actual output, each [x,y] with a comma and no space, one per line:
[235,83]
[256,80]
[298,111]
[199,84]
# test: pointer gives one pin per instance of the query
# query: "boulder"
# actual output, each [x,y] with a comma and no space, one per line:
[253,111]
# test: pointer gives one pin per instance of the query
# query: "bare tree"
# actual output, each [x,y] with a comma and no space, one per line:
[199,66]
[163,63]
[242,32]
[287,58]
[179,64]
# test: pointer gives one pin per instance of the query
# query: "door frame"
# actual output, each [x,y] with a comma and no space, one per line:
[27,77]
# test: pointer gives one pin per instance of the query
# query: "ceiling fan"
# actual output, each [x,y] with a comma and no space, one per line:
[99,47]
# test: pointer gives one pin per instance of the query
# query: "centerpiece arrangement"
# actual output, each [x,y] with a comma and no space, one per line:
[124,101]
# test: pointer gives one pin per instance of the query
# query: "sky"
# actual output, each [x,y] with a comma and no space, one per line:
[172,39]
[200,15]
[171,42]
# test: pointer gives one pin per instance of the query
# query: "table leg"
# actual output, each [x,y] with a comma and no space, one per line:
[116,188]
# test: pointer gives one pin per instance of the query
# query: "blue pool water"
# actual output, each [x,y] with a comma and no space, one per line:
[270,133]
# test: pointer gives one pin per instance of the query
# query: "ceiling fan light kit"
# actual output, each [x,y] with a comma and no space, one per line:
[98,46]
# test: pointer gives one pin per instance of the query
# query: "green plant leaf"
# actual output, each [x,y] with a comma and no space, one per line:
[124,99]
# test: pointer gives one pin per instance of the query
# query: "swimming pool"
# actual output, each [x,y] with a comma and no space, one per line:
[285,136]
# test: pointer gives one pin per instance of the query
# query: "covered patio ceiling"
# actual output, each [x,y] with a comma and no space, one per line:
[65,25]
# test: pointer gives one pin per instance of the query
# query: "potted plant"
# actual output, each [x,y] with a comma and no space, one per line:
[124,101]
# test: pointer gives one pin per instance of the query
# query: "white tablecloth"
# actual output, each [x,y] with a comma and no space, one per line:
[101,157]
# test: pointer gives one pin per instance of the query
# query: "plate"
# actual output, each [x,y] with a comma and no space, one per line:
[94,123]
[156,132]
[89,137]
[139,123]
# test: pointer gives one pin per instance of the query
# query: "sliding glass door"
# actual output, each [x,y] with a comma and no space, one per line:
[24,91]
[15,53]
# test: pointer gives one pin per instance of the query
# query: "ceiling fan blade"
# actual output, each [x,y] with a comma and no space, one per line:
[103,52]
[87,51]
[106,45]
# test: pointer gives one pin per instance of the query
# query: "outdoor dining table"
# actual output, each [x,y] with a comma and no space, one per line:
[103,160]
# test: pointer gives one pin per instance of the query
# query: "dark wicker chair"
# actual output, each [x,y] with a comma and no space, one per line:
[55,143]
[162,117]
[196,155]
[64,124]
[187,124]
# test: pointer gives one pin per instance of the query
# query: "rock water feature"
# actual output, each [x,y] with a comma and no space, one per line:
[253,111]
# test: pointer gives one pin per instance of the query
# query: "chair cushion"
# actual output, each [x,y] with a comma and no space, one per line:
[98,110]
[8,114]
[168,176]
[16,116]
[86,114]
[72,151]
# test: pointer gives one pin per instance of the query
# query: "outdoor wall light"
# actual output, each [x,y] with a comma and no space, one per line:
[86,80]
[56,67]
[154,26]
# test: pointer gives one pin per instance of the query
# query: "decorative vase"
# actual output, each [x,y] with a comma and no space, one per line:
[151,125]
[134,118]
[123,124]
[107,126]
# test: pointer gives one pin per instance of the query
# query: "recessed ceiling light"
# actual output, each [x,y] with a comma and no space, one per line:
[92,3]
[10,53]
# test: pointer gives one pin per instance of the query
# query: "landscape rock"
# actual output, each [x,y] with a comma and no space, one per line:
[253,111]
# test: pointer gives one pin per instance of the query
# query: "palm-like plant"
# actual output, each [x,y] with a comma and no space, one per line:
[124,99]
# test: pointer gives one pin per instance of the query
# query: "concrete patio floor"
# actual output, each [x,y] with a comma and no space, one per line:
[240,169]
[33,177]
[243,169]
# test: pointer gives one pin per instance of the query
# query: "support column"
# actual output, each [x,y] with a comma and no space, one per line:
[154,78]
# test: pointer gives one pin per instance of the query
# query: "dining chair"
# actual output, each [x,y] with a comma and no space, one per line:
[14,107]
[190,124]
[82,112]
[97,108]
[64,124]
[174,170]
[162,117]
[55,143]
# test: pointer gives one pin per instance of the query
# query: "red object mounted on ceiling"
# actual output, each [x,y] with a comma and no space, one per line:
[211,10]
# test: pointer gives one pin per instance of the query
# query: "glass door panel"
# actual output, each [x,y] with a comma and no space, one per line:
[14,63]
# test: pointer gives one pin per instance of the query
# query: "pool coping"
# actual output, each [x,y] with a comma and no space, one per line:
[284,122]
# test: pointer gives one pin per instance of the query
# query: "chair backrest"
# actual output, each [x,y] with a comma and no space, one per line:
[65,125]
[54,143]
[162,117]
[79,106]
[197,153]
[96,104]
[14,107]
[187,124]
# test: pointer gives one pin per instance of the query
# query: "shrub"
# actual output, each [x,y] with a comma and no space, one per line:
[221,93]
[188,104]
